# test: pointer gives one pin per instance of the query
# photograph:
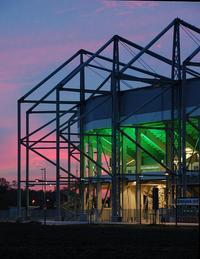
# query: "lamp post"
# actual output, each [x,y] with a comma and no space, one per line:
[44,192]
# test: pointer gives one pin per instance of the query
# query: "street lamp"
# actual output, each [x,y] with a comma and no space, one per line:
[44,182]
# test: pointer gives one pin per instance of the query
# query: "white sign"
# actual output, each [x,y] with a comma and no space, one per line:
[188,201]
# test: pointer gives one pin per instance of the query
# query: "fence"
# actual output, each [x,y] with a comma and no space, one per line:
[161,216]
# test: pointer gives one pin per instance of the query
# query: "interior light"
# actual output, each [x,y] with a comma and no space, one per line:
[130,161]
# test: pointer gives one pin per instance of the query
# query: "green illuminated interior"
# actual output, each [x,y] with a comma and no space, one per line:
[152,140]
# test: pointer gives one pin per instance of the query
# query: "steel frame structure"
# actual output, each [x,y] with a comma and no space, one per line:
[64,131]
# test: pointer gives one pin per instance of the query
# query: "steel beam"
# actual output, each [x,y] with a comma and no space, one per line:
[85,91]
[19,214]
[134,68]
[98,185]
[81,128]
[147,152]
[85,155]
[46,124]
[199,141]
[154,139]
[151,81]
[48,160]
[50,76]
[191,56]
[69,162]
[176,108]
[81,116]
[115,88]
[58,216]
[27,165]
[147,47]
[138,172]
[189,26]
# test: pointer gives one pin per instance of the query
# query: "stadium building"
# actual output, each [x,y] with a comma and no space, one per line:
[120,128]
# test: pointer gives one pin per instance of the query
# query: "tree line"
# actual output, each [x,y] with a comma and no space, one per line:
[8,196]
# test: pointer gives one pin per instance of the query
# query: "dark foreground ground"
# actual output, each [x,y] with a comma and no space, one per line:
[97,241]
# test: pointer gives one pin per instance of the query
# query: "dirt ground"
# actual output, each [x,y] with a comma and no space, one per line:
[101,241]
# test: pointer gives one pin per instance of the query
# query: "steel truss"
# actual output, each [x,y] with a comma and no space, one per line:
[69,122]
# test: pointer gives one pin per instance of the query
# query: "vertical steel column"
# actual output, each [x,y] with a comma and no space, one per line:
[199,144]
[119,176]
[122,174]
[69,160]
[115,134]
[183,130]
[176,58]
[82,108]
[58,153]
[44,182]
[27,165]
[176,102]
[98,189]
[19,159]
[138,172]
[90,174]
[91,155]
[170,163]
[180,136]
[172,150]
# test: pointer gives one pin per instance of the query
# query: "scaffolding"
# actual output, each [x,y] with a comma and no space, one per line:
[62,100]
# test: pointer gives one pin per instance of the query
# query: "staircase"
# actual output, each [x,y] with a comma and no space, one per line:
[70,207]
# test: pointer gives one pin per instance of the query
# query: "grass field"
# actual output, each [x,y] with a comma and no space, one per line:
[97,241]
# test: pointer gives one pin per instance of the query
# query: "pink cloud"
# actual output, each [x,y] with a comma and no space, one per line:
[128,4]
[110,4]
[125,7]
[136,4]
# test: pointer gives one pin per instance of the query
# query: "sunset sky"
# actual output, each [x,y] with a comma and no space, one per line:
[36,36]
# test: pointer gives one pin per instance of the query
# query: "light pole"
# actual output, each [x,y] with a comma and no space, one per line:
[44,176]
